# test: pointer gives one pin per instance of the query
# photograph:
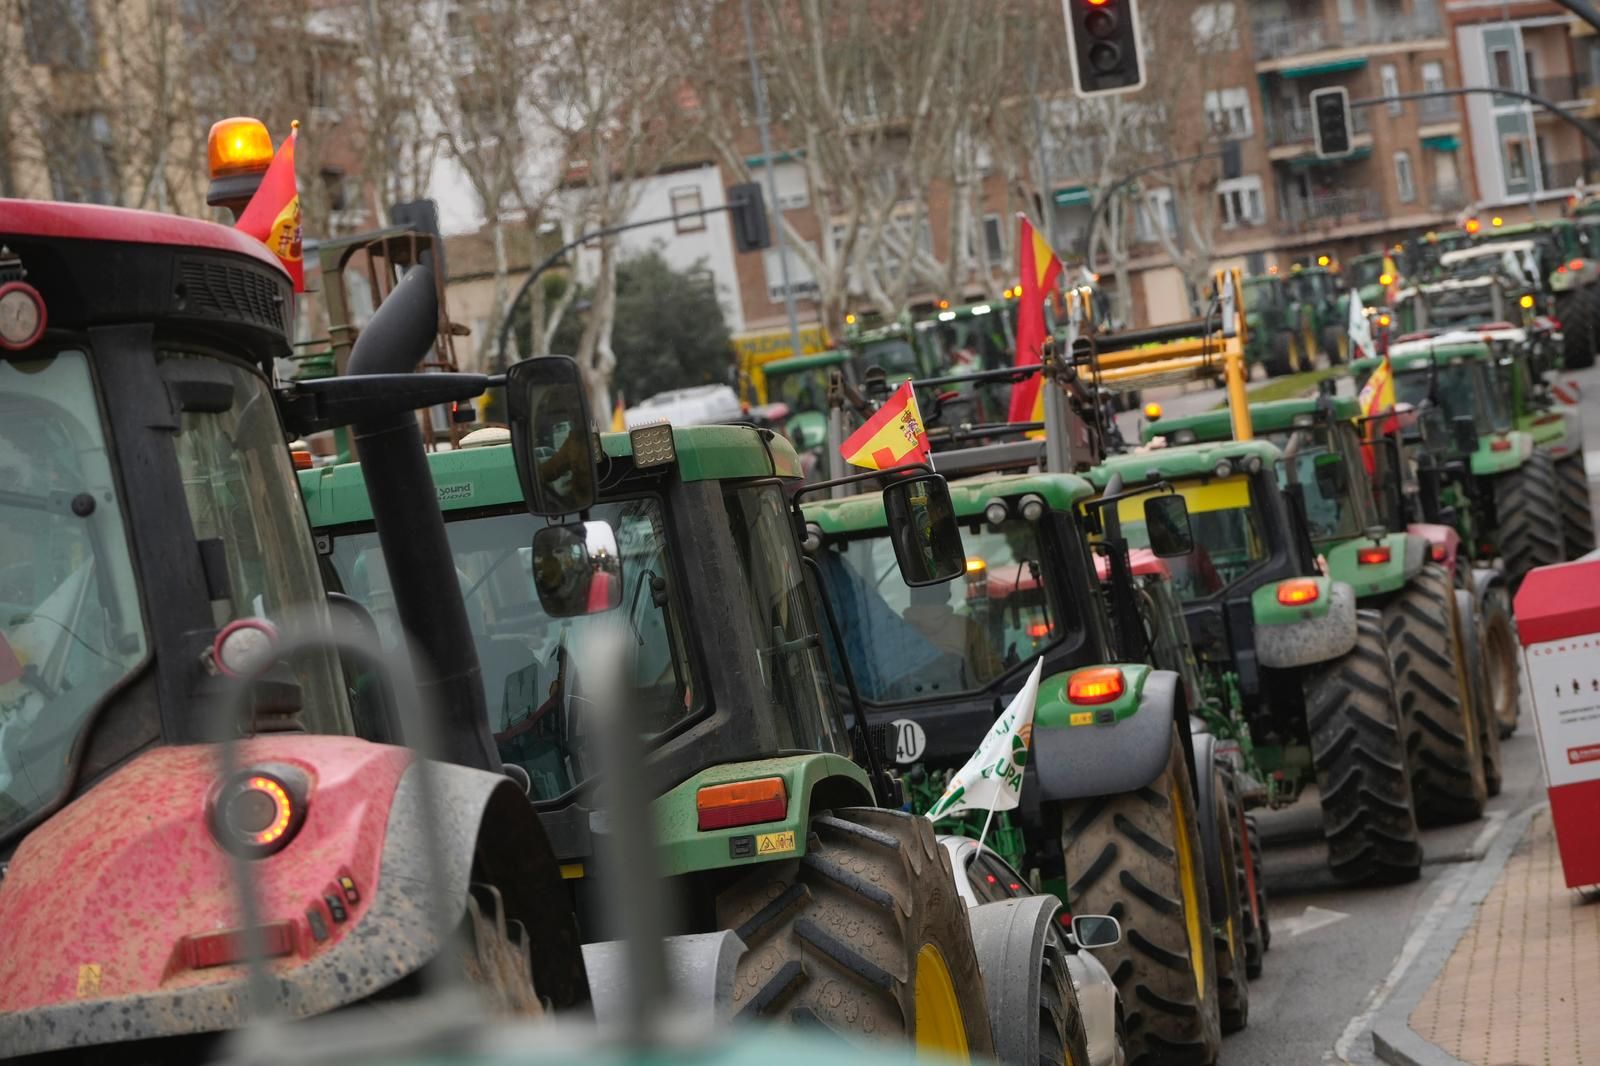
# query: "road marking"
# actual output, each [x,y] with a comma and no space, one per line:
[1480,843]
[1450,886]
[1314,918]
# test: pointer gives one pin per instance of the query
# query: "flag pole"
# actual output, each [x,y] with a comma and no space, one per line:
[987,820]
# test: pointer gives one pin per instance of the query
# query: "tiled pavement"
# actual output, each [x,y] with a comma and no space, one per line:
[1522,987]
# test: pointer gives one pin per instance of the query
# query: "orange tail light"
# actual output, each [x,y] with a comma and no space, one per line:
[765,799]
[1298,592]
[1100,684]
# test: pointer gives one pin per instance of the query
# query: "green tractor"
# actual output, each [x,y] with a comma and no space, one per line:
[772,813]
[1359,520]
[1319,306]
[1523,503]
[1372,274]
[801,385]
[1569,275]
[1275,340]
[1311,671]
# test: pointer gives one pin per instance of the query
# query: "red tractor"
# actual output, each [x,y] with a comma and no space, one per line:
[150,531]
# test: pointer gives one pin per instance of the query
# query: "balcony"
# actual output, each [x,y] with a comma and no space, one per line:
[1328,210]
[1289,126]
[1447,199]
[1438,110]
[1303,37]
[1559,175]
[1561,88]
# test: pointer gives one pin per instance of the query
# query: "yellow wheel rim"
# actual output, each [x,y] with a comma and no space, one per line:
[1188,871]
[939,1025]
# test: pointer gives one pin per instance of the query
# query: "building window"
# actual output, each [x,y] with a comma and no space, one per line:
[1515,151]
[1501,69]
[1156,208]
[801,283]
[1432,75]
[686,198]
[1228,111]
[1390,77]
[1239,202]
[1404,181]
[994,245]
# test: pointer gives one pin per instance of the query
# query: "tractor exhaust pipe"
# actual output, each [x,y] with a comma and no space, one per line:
[411,530]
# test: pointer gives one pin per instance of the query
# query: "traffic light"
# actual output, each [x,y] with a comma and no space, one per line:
[749,213]
[1330,117]
[1104,35]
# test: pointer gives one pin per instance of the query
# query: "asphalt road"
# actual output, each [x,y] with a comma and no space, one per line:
[1337,952]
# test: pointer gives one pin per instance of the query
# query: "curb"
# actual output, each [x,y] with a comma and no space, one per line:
[1393,1039]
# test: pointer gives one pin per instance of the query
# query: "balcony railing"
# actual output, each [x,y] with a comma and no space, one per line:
[1556,175]
[1351,205]
[1560,88]
[1447,199]
[1294,125]
[1438,109]
[1293,37]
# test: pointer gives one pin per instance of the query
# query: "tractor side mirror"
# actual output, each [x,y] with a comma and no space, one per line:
[1166,522]
[922,525]
[1333,480]
[1096,930]
[550,435]
[577,569]
[1464,434]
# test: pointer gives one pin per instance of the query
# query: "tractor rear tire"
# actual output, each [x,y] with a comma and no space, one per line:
[1137,857]
[1258,934]
[1441,732]
[1063,1040]
[1360,758]
[1481,692]
[1222,830]
[1498,636]
[857,934]
[1527,506]
[1280,358]
[1577,314]
[1577,519]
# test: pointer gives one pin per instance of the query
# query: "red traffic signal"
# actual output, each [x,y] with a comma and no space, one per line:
[1105,52]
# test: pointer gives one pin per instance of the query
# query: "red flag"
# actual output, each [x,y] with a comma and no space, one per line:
[273,214]
[1040,268]
[891,437]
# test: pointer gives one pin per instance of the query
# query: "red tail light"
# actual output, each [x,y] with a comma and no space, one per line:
[1100,684]
[1038,630]
[1297,592]
[1501,445]
[1576,264]
[1372,556]
[1437,553]
[233,945]
[765,799]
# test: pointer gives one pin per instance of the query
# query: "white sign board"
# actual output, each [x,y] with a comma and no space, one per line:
[909,741]
[1564,682]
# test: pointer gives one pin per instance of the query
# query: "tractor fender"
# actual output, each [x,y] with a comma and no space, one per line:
[1205,781]
[1011,937]
[1483,580]
[486,830]
[1093,759]
[1442,541]
[701,968]
[1284,642]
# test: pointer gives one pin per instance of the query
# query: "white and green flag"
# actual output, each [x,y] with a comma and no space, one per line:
[992,779]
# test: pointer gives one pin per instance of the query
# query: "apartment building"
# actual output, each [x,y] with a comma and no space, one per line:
[1525,159]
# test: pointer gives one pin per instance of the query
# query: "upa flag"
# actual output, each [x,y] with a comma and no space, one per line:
[992,778]
[1040,268]
[1360,329]
[273,214]
[892,436]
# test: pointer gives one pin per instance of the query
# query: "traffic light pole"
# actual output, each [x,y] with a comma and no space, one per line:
[1590,132]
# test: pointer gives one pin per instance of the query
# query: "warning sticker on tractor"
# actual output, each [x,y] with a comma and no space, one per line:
[775,843]
[88,980]
[1081,718]
[461,491]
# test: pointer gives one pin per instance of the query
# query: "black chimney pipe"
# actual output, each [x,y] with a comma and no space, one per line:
[411,529]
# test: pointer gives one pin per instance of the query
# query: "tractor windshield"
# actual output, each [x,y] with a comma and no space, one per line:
[1229,540]
[70,624]
[531,661]
[1458,388]
[894,354]
[942,640]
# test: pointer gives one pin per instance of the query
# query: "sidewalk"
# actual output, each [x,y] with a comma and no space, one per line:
[1522,985]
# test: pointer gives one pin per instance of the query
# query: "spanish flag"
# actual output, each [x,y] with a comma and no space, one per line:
[1040,268]
[1377,395]
[1392,289]
[273,214]
[618,423]
[891,437]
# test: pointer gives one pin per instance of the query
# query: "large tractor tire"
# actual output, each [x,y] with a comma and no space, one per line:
[1440,729]
[1222,843]
[1480,691]
[1576,311]
[1527,508]
[1360,758]
[1258,933]
[864,934]
[1034,1011]
[1577,519]
[1498,638]
[1280,357]
[1137,857]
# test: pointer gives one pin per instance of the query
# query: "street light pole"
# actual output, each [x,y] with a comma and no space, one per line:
[765,130]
